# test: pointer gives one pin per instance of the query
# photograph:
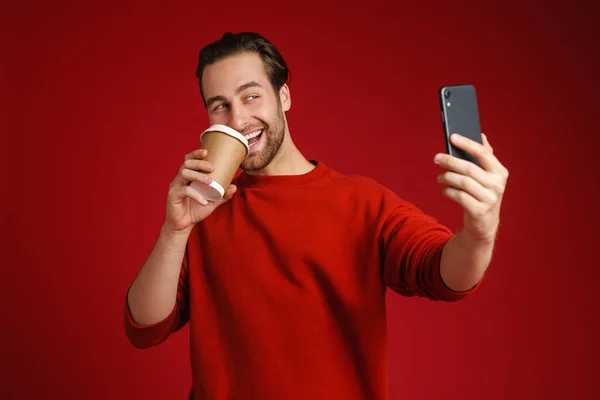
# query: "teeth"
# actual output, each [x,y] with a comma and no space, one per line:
[253,135]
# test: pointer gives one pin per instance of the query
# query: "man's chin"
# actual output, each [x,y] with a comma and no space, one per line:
[253,163]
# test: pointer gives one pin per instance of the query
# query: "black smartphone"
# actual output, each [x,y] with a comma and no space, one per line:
[460,114]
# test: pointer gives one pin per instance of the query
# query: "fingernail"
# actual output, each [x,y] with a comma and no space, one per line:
[456,137]
[437,159]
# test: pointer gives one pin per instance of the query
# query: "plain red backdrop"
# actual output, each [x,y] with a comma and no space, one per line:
[100,103]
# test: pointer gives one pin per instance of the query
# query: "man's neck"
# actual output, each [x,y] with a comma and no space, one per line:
[288,161]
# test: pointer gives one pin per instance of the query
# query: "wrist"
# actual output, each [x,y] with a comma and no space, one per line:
[169,232]
[477,241]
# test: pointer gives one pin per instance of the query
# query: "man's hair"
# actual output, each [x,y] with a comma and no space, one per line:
[236,43]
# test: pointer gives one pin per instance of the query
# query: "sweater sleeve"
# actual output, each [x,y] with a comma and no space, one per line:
[145,336]
[411,245]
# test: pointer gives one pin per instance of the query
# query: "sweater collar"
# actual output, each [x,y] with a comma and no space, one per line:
[247,180]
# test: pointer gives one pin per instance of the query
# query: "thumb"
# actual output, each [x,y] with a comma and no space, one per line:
[228,194]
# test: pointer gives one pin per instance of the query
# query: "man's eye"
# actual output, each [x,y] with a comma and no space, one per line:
[251,97]
[220,106]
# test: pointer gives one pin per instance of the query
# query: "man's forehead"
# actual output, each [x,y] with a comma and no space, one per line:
[225,76]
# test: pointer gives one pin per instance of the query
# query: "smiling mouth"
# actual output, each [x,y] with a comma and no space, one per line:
[253,137]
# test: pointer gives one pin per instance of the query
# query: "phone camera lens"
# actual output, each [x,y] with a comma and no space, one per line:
[447,94]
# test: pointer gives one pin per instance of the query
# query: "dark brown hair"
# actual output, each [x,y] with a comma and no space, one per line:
[236,43]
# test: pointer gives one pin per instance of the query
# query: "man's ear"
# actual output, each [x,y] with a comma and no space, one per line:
[284,96]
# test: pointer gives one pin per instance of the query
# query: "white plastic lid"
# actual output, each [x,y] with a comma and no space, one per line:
[230,132]
[212,192]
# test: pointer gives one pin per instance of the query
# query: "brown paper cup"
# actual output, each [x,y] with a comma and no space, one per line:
[227,148]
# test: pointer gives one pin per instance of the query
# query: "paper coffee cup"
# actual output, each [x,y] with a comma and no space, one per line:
[227,148]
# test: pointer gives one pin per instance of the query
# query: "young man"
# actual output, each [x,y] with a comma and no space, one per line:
[283,281]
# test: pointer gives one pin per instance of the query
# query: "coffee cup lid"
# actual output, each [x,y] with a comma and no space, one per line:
[229,131]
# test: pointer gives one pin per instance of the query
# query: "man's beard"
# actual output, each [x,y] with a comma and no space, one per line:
[273,133]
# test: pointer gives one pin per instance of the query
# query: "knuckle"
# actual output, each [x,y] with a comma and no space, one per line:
[190,175]
[500,189]
[476,212]
[470,169]
[189,164]
[197,176]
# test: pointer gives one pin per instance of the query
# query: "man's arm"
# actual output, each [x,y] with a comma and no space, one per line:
[464,261]
[152,296]
[479,190]
[157,302]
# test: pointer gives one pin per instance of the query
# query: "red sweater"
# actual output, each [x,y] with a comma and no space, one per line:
[284,287]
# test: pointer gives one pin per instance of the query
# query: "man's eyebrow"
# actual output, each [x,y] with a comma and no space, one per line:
[214,99]
[240,89]
[247,86]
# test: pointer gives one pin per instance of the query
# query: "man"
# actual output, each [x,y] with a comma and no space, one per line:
[283,281]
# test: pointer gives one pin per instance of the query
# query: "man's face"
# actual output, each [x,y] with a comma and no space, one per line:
[239,94]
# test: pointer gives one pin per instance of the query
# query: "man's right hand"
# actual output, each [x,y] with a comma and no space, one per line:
[185,206]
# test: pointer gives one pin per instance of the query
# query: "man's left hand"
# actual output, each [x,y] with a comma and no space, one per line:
[478,190]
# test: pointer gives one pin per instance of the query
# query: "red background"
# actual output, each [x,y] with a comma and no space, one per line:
[100,103]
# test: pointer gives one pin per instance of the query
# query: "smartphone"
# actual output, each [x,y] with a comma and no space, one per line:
[460,114]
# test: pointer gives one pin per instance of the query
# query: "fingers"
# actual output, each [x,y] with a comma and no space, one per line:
[484,139]
[198,165]
[478,189]
[490,165]
[503,171]
[198,153]
[463,167]
[229,193]
[467,184]
[483,153]
[189,171]
[189,175]
[180,193]
[194,169]
[187,191]
[194,195]
[468,202]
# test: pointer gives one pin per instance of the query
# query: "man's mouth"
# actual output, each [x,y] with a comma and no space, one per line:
[253,137]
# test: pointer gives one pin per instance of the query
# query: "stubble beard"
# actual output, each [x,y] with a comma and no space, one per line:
[275,132]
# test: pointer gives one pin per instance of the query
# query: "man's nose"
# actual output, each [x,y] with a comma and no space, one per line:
[240,117]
